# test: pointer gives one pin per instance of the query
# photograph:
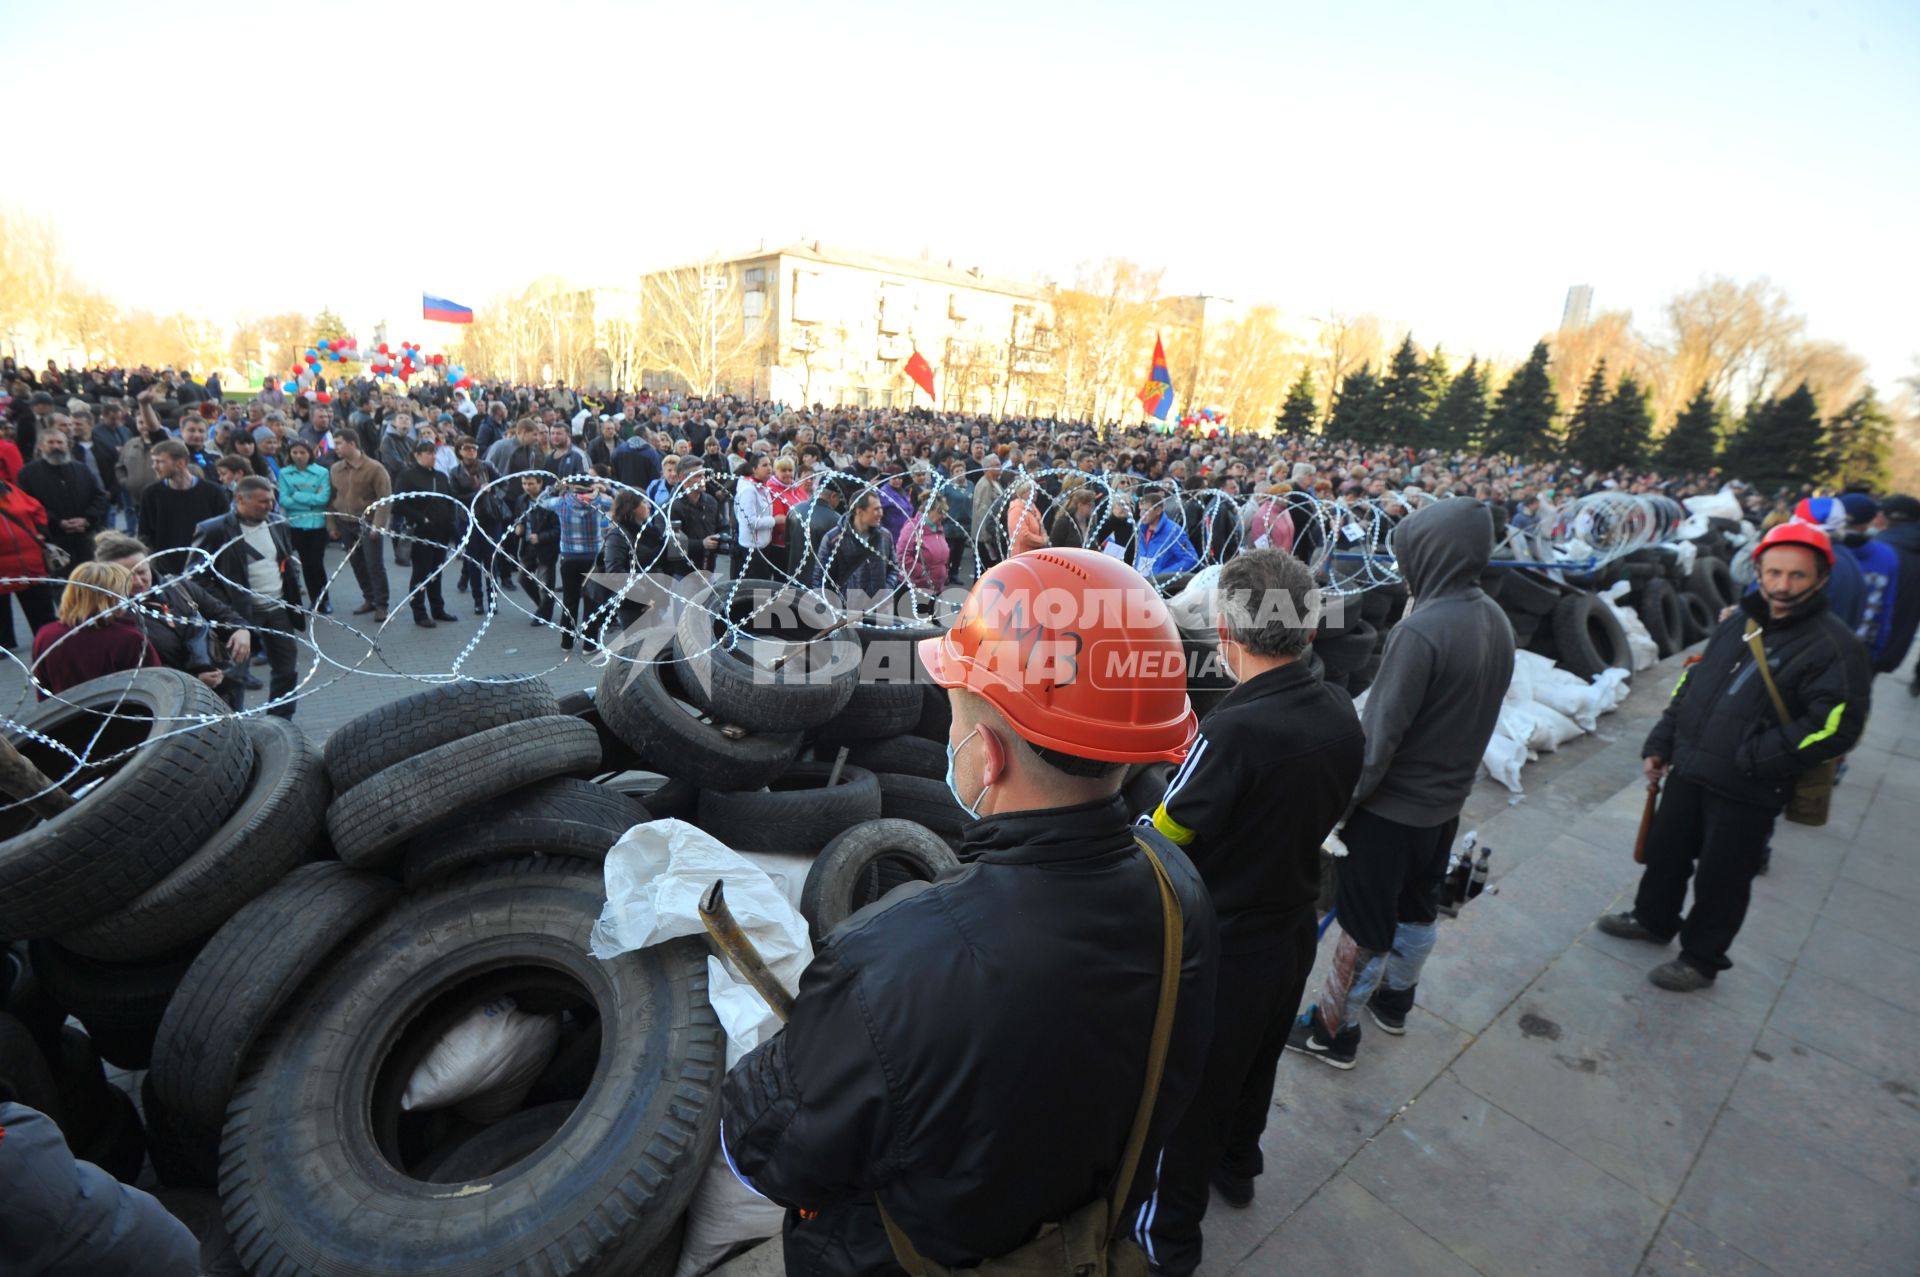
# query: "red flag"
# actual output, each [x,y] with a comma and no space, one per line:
[921,373]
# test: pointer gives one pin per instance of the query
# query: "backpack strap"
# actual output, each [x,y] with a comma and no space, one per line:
[1172,939]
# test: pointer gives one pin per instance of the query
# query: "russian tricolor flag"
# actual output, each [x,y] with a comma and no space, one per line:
[443,311]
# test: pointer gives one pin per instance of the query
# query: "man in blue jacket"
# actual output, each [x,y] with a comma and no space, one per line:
[1901,515]
[1879,574]
[1161,546]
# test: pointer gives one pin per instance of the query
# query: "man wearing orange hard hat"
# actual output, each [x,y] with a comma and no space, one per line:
[976,1060]
[1781,690]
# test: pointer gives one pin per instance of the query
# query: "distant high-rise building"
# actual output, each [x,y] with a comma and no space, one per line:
[1579,303]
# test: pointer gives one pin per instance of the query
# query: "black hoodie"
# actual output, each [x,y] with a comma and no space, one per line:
[1443,674]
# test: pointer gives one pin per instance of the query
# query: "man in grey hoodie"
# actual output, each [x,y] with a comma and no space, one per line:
[1427,720]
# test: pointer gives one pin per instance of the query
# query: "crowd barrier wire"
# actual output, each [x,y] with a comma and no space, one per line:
[1348,543]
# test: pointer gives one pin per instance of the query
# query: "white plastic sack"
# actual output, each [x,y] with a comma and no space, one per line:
[723,1214]
[1640,643]
[1684,553]
[655,876]
[486,1063]
[1720,505]
[1194,607]
[1504,757]
[1610,688]
[1550,728]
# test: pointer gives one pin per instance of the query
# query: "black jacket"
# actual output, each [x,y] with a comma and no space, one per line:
[175,611]
[1269,777]
[974,1049]
[649,548]
[221,538]
[427,515]
[70,491]
[1720,729]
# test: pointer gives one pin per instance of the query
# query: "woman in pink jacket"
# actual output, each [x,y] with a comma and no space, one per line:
[1025,531]
[925,557]
[1271,526]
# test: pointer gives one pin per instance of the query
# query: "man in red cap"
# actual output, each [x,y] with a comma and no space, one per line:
[1730,762]
[973,1054]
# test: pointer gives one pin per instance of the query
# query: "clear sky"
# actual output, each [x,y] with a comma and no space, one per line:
[1450,166]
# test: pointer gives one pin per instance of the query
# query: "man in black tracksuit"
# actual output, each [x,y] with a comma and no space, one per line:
[1730,763]
[1266,782]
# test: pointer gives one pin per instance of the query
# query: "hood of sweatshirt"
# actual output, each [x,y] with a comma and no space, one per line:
[1444,547]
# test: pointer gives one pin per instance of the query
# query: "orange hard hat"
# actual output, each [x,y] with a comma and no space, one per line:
[1077,652]
[1794,532]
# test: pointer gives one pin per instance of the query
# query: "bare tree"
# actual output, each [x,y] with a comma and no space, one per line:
[1347,342]
[1737,339]
[693,327]
[1102,336]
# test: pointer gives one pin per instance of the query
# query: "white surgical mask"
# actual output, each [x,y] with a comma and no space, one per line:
[953,786]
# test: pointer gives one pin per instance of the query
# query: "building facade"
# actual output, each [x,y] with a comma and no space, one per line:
[836,327]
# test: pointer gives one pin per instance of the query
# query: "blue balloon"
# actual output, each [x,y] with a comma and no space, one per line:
[291,387]
[322,343]
[312,352]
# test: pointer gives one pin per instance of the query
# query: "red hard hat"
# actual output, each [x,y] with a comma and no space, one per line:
[1077,652]
[1794,532]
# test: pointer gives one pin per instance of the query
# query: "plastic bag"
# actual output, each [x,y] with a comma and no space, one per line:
[655,876]
[486,1063]
[1720,505]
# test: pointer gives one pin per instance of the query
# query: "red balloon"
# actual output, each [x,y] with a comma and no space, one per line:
[383,348]
[323,397]
[405,372]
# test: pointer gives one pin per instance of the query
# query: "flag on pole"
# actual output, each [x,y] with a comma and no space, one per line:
[921,373]
[1156,397]
[443,311]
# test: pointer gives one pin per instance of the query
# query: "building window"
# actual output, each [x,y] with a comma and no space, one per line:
[804,309]
[753,304]
[756,277]
[894,305]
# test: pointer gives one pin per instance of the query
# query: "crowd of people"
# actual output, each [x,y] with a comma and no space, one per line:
[557,491]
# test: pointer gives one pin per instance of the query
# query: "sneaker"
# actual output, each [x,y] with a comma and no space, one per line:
[1625,926]
[1389,1008]
[1234,1190]
[1310,1038]
[1680,976]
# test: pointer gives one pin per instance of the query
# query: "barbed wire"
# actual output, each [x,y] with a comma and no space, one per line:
[1346,541]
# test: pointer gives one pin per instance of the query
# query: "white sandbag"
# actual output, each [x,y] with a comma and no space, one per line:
[723,1214]
[1693,526]
[1551,728]
[1504,757]
[486,1063]
[1610,689]
[1194,607]
[1684,553]
[1719,505]
[1639,643]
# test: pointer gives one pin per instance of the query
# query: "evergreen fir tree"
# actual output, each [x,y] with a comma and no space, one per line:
[1859,445]
[1585,427]
[1404,402]
[326,327]
[1461,414]
[1626,426]
[1694,440]
[1779,444]
[1356,409]
[1522,420]
[1297,415]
